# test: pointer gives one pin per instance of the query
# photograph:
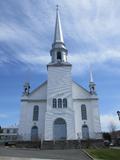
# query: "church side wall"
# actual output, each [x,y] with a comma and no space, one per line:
[96,118]
[81,96]
[78,119]
[93,118]
[26,120]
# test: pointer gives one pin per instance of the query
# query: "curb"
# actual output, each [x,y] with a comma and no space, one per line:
[88,154]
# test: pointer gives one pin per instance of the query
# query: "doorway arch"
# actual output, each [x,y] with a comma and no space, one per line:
[59,129]
[34,133]
[85,132]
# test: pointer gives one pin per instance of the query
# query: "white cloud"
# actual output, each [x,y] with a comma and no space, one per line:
[34,59]
[91,18]
[106,121]
[95,22]
[3,116]
[81,62]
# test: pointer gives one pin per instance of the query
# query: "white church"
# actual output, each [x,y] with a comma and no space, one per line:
[59,109]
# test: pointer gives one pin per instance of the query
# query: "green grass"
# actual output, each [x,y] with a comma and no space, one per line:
[105,154]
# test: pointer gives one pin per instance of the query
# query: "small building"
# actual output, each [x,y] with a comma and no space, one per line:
[9,134]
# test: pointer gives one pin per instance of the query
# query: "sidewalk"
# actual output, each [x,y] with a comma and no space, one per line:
[15,158]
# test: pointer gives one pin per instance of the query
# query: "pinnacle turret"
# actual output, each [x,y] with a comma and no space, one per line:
[92,84]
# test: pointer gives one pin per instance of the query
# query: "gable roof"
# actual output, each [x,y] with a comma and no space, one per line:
[80,92]
[45,82]
[38,94]
[81,87]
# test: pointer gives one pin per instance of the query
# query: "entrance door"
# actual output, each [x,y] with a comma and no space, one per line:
[59,129]
[34,133]
[85,132]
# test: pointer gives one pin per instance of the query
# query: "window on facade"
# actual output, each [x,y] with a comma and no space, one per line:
[35,113]
[34,133]
[83,112]
[8,131]
[14,131]
[1,130]
[65,103]
[59,55]
[54,103]
[59,103]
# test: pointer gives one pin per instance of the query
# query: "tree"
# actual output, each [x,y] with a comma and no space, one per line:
[112,128]
[106,136]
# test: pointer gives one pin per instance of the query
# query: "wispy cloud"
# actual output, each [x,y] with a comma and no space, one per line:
[107,120]
[91,31]
[3,116]
[81,62]
[34,59]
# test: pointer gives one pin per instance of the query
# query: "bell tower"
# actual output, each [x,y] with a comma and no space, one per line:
[58,52]
[59,87]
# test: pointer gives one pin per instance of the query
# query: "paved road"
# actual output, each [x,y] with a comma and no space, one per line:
[43,154]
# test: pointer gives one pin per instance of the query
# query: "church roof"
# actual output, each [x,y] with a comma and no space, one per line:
[80,93]
[40,93]
[81,87]
[45,82]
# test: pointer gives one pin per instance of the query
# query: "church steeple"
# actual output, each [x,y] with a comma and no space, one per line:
[58,52]
[92,84]
[91,75]
[58,35]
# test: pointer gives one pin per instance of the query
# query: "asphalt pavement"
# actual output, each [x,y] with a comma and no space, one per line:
[33,154]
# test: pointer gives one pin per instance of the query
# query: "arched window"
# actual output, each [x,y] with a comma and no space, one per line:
[59,129]
[85,132]
[59,55]
[35,113]
[59,103]
[83,112]
[34,133]
[54,103]
[65,103]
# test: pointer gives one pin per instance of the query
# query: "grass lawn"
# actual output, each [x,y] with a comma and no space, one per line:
[105,154]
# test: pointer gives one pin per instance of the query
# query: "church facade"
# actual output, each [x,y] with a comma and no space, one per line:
[59,108]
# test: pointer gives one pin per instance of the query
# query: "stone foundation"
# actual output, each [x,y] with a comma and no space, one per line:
[63,144]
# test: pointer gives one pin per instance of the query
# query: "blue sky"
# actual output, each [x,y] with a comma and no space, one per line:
[92,34]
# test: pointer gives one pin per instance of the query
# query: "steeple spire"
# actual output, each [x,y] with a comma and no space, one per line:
[58,52]
[91,75]
[91,83]
[58,36]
